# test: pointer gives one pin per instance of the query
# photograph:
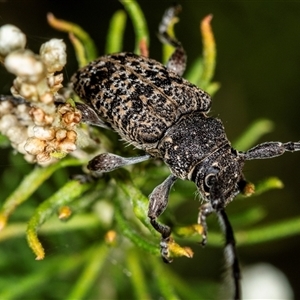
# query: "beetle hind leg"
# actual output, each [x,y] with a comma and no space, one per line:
[157,204]
[177,61]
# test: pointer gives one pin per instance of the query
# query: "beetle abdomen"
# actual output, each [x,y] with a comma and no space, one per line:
[137,96]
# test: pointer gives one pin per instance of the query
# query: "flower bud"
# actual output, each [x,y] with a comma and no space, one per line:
[26,65]
[53,55]
[11,39]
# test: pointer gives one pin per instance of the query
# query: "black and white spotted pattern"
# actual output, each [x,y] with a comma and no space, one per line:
[137,97]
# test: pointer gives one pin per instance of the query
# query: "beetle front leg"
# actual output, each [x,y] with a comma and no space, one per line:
[158,203]
[204,211]
[270,150]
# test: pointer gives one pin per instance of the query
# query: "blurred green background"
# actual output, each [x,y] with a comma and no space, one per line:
[258,66]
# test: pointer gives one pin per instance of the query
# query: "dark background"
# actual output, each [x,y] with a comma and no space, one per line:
[258,66]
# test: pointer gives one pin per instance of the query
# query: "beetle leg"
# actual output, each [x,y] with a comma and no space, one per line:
[177,61]
[270,149]
[89,116]
[158,203]
[205,210]
[107,162]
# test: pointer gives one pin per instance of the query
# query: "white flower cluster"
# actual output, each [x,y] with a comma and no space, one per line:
[38,128]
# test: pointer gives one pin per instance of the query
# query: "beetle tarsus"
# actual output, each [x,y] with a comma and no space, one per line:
[164,250]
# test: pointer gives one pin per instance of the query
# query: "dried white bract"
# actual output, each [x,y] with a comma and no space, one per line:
[11,39]
[53,55]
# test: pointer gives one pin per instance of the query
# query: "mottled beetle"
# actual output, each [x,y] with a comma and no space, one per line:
[153,108]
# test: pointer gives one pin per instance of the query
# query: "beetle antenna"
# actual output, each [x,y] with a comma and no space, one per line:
[230,252]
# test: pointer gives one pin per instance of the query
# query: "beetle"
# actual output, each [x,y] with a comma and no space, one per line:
[152,107]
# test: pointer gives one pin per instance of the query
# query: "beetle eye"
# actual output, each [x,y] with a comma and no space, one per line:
[208,182]
[210,178]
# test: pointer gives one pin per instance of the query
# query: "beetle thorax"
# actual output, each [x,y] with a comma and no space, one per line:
[190,141]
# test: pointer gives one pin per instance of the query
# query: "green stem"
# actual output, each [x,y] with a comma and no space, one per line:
[165,283]
[114,40]
[139,23]
[248,217]
[47,269]
[267,184]
[194,73]
[83,36]
[137,276]
[262,234]
[29,185]
[209,52]
[79,49]
[133,236]
[53,226]
[65,195]
[269,232]
[138,200]
[89,275]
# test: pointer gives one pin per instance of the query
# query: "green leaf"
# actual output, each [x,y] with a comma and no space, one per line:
[114,40]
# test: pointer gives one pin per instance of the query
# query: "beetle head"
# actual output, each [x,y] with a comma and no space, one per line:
[219,178]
